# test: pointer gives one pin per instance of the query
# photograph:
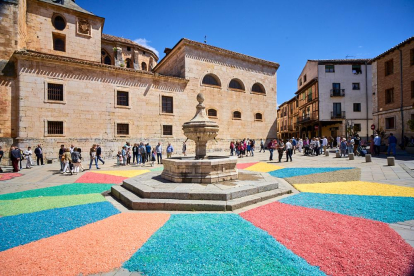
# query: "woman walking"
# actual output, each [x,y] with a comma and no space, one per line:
[343,147]
[280,148]
[67,159]
[75,155]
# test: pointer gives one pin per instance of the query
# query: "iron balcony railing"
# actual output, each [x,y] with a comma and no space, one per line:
[337,92]
[338,115]
[308,117]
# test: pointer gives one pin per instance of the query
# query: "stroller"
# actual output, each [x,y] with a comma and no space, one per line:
[360,151]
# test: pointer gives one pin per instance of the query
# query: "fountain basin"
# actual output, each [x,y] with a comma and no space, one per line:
[211,169]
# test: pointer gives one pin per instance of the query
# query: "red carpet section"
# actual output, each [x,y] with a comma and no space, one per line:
[242,166]
[7,176]
[338,244]
[99,178]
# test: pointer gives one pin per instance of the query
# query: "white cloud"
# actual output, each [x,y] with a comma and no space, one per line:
[145,43]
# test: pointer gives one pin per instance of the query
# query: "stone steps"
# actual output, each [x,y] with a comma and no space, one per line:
[135,202]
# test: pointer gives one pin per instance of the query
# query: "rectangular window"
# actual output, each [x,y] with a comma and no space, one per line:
[300,81]
[122,129]
[54,127]
[412,89]
[412,56]
[167,104]
[310,94]
[357,107]
[357,127]
[389,123]
[356,69]
[389,67]
[330,68]
[54,92]
[59,42]
[355,86]
[337,110]
[122,98]
[304,78]
[389,96]
[167,130]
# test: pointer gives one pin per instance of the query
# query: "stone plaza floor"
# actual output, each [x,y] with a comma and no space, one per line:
[344,217]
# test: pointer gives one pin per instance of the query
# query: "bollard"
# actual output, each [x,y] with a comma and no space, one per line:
[367,158]
[391,161]
[351,156]
[338,155]
[326,153]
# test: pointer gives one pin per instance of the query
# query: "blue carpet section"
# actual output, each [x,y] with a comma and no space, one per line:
[387,209]
[290,172]
[213,244]
[25,228]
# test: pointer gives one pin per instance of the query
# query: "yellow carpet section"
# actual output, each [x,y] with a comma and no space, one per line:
[356,188]
[263,167]
[130,173]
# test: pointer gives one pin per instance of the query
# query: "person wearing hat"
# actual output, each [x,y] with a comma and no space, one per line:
[343,147]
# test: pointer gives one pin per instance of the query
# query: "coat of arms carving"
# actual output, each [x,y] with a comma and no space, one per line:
[84,27]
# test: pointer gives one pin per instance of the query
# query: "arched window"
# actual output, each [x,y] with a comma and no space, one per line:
[151,63]
[212,113]
[211,79]
[236,115]
[144,66]
[105,58]
[59,22]
[258,116]
[128,63]
[258,88]
[236,84]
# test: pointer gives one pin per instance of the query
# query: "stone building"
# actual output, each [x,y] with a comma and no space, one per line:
[393,89]
[65,82]
[287,119]
[334,94]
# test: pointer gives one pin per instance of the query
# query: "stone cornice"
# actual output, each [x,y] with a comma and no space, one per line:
[187,42]
[27,54]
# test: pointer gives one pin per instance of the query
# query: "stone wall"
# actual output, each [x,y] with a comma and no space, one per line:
[40,32]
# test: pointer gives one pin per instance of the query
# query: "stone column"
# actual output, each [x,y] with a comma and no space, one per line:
[118,57]
[136,61]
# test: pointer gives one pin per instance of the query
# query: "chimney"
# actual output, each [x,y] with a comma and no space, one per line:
[167,51]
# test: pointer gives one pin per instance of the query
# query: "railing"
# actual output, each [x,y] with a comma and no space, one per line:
[337,92]
[308,117]
[340,115]
[309,98]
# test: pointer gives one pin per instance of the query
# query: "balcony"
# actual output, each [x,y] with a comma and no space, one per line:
[337,92]
[309,98]
[340,115]
[290,128]
[308,117]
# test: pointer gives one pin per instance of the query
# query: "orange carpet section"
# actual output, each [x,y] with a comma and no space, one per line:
[94,248]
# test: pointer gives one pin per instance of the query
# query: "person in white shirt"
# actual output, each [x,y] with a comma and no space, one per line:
[324,144]
[338,141]
[28,155]
[289,150]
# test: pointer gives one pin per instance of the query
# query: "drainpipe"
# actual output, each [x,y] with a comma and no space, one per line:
[366,94]
[401,96]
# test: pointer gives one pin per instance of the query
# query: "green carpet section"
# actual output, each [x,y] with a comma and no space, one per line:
[62,190]
[158,169]
[31,205]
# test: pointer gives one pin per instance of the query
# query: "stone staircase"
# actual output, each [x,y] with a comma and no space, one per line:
[150,192]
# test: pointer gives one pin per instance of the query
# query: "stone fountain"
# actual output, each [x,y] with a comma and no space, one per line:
[201,168]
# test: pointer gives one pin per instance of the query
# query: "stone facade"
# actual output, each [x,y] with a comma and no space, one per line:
[398,108]
[89,110]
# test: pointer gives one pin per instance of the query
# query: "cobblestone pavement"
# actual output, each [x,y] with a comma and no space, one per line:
[377,172]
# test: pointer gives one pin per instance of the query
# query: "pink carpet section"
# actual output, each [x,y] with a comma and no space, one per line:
[100,178]
[338,244]
[8,176]
[98,247]
[242,166]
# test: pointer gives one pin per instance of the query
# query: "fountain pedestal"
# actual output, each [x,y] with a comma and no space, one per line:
[201,168]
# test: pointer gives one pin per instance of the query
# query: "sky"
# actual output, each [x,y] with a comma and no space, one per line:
[287,32]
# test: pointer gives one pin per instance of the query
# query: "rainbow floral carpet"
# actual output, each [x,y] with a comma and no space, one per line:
[336,228]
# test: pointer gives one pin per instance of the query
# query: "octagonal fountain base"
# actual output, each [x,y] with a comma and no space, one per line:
[212,169]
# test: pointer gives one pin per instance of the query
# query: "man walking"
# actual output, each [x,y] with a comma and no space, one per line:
[99,153]
[377,144]
[149,155]
[39,155]
[289,149]
[158,149]
[262,146]
[170,150]
[324,144]
[92,155]
[294,144]
[15,157]
[392,144]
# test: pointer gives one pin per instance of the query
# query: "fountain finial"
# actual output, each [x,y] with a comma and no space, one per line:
[200,98]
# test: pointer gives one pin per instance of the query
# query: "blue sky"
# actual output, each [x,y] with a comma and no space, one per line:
[288,32]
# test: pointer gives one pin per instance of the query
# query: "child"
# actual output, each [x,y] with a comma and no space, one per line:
[129,156]
[119,158]
[154,153]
